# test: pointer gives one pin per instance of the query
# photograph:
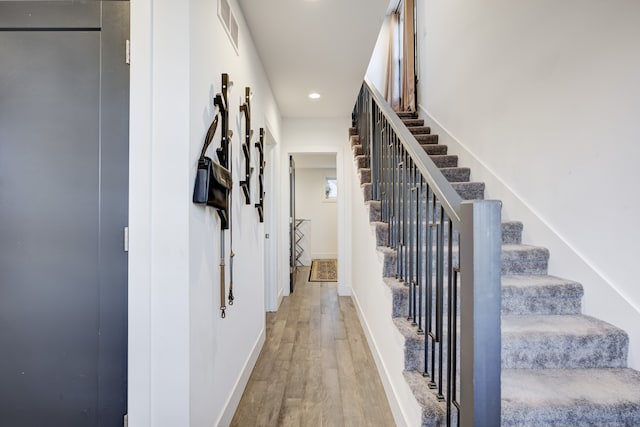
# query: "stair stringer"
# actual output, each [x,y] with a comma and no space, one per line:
[567,260]
[372,298]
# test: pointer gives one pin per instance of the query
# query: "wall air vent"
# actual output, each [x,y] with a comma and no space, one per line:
[229,22]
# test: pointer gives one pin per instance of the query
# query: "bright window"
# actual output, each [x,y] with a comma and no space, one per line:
[330,188]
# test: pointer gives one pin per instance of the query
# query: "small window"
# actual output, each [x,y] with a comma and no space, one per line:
[330,189]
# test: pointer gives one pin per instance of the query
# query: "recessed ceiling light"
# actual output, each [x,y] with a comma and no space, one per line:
[314,95]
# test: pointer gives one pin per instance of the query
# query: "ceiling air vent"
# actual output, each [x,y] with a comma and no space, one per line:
[229,22]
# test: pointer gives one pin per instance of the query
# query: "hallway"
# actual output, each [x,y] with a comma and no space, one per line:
[315,368]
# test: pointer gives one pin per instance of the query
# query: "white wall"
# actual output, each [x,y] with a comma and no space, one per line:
[541,100]
[322,214]
[318,136]
[373,300]
[377,70]
[187,366]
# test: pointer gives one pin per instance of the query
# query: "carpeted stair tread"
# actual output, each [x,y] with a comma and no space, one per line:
[525,295]
[434,149]
[413,122]
[419,130]
[426,138]
[389,259]
[469,190]
[399,296]
[445,161]
[382,233]
[524,259]
[408,115]
[433,411]
[413,345]
[366,191]
[561,342]
[540,295]
[570,397]
[570,366]
[374,207]
[456,174]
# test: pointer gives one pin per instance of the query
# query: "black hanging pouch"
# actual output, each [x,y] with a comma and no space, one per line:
[213,182]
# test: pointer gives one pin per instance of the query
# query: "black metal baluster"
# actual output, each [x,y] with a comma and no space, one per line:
[451,357]
[405,220]
[440,302]
[429,312]
[400,212]
[393,164]
[433,289]
[410,283]
[420,260]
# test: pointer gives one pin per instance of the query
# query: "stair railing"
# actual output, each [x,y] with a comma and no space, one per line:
[449,257]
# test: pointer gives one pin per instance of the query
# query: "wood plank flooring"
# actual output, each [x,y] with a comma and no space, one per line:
[315,368]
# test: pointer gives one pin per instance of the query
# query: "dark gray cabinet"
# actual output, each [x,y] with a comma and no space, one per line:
[64,89]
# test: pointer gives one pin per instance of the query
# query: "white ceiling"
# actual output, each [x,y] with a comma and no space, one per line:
[319,46]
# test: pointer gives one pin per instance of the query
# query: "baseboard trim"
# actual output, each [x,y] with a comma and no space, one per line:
[234,398]
[279,299]
[401,419]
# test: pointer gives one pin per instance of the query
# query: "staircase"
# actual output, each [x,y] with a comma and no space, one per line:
[559,367]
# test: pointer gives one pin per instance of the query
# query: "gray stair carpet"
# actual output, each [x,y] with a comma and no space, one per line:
[559,367]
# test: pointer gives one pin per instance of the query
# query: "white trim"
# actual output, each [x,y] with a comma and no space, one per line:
[280,298]
[234,397]
[394,397]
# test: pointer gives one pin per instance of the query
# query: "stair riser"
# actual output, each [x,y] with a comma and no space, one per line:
[564,352]
[512,232]
[357,150]
[526,352]
[531,261]
[366,191]
[419,130]
[445,161]
[382,233]
[365,175]
[469,190]
[374,210]
[389,265]
[426,138]
[435,149]
[413,122]
[361,161]
[510,305]
[456,174]
[524,305]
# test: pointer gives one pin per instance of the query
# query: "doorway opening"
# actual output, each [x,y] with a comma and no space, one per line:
[313,215]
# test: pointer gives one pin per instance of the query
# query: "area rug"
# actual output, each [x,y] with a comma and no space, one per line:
[324,270]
